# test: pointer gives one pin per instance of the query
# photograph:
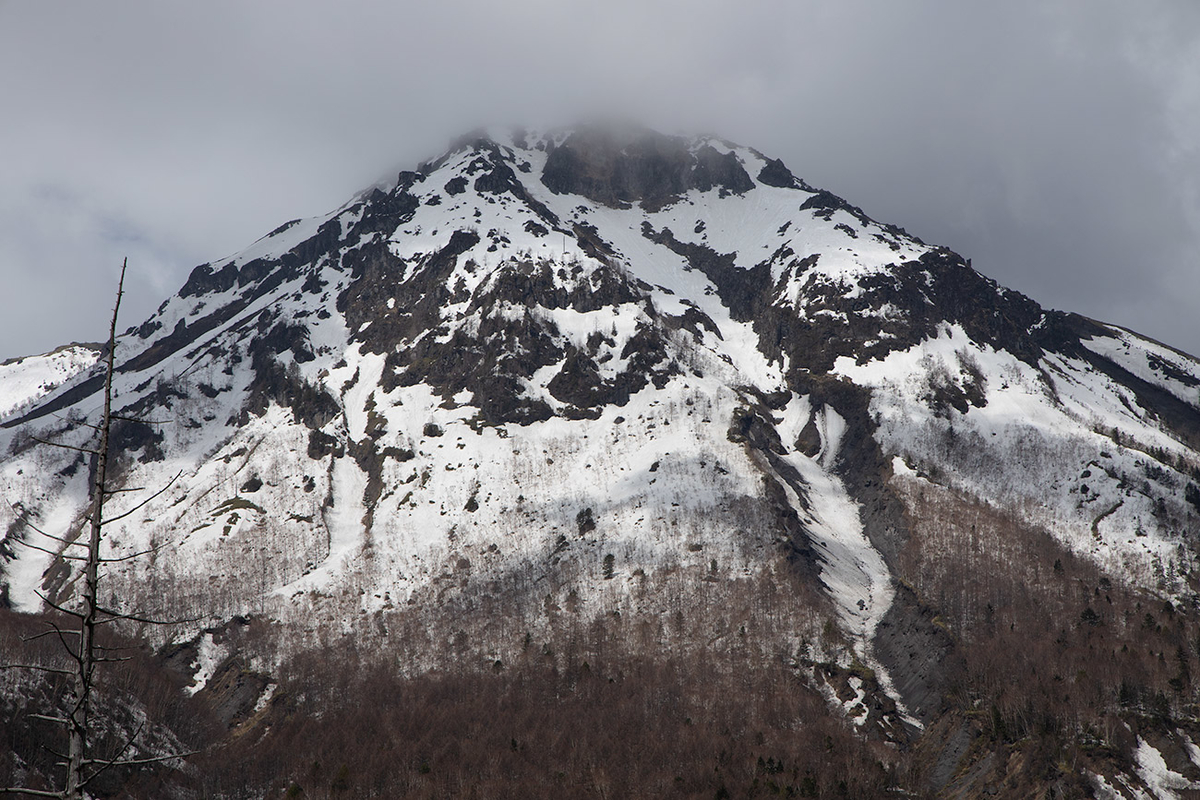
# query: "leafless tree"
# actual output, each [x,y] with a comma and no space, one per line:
[79,639]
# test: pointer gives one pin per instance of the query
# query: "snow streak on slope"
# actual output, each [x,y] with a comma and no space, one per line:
[852,569]
[1151,362]
[344,523]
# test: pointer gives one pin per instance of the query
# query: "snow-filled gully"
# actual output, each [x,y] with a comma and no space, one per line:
[852,570]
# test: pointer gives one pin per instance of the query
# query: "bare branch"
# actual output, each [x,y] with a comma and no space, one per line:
[38,667]
[70,421]
[23,518]
[152,759]
[143,421]
[143,504]
[68,542]
[62,720]
[111,762]
[87,654]
[54,553]
[62,635]
[156,759]
[57,607]
[115,615]
[37,636]
[108,648]
[132,556]
[63,446]
[54,753]
[31,792]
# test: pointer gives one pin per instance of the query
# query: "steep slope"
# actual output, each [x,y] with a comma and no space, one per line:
[27,380]
[553,379]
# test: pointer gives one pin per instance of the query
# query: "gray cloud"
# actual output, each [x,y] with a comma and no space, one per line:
[1057,144]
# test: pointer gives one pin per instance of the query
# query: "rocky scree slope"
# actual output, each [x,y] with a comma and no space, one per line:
[601,374]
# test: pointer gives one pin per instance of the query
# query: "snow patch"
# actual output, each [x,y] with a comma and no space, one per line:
[209,656]
[1153,770]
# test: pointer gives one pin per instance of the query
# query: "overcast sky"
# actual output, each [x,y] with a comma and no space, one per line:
[1056,143]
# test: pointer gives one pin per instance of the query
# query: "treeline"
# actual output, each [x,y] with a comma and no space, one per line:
[640,727]
[550,725]
[693,685]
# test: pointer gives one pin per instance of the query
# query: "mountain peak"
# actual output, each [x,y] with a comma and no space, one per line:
[620,167]
[601,376]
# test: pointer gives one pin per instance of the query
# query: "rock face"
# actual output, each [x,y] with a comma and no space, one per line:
[617,169]
[549,378]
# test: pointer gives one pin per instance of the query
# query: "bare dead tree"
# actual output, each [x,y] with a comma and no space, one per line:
[86,655]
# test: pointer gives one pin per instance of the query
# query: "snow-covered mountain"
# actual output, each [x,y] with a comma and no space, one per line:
[574,374]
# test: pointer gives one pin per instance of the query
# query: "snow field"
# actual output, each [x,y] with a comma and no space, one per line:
[23,381]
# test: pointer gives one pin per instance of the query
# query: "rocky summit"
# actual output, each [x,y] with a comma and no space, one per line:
[604,396]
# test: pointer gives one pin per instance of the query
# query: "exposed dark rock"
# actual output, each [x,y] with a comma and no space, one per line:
[823,204]
[776,174]
[285,226]
[535,283]
[592,243]
[383,212]
[321,444]
[496,176]
[696,321]
[203,280]
[579,383]
[418,301]
[128,437]
[254,271]
[460,321]
[920,656]
[749,427]
[741,290]
[622,167]
[714,169]
[234,690]
[1168,370]
[809,440]
[273,382]
[406,179]
[57,402]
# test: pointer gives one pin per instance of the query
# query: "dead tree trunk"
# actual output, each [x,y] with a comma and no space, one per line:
[77,747]
[82,767]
